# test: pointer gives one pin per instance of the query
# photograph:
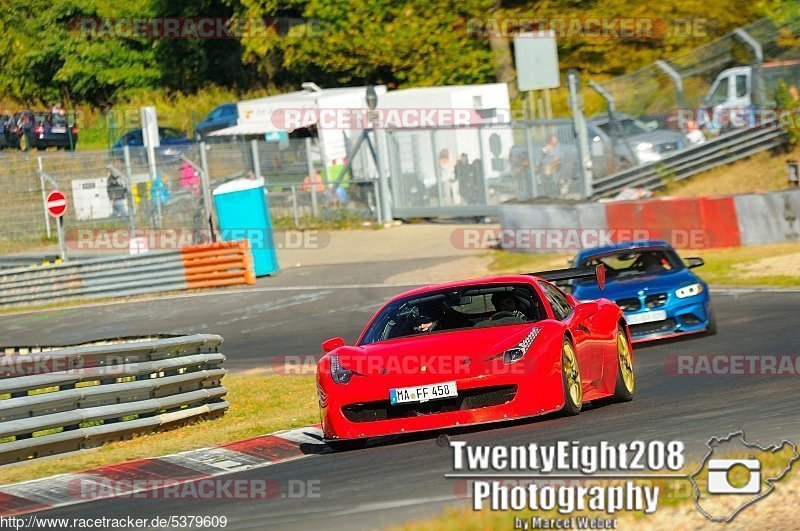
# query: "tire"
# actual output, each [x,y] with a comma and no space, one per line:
[346,445]
[712,324]
[626,383]
[571,379]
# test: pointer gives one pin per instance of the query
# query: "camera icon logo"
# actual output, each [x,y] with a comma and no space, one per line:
[724,474]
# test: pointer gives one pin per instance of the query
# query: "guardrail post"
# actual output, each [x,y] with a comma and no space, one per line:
[757,81]
[676,79]
[584,155]
[381,156]
[531,162]
[205,184]
[256,158]
[311,180]
[436,169]
[612,117]
[44,197]
[294,207]
[126,153]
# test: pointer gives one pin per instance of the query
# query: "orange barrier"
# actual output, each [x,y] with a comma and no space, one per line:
[685,223]
[218,264]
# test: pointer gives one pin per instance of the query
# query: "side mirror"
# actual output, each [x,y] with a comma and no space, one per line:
[694,262]
[600,276]
[332,344]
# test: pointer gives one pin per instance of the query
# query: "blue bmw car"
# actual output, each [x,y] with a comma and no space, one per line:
[658,292]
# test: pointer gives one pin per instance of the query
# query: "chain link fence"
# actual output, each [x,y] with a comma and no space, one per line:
[652,94]
[120,191]
[464,169]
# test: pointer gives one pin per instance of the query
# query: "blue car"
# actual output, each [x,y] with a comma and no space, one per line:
[226,115]
[173,143]
[659,294]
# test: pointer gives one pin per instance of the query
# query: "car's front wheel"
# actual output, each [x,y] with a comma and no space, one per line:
[623,391]
[571,377]
[711,329]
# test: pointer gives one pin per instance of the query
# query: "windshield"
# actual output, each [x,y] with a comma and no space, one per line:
[638,262]
[629,127]
[456,308]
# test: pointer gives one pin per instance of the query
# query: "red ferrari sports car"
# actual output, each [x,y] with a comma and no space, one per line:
[472,352]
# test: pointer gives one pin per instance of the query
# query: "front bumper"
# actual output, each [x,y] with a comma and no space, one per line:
[684,316]
[361,409]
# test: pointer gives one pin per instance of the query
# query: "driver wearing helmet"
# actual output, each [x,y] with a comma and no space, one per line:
[506,305]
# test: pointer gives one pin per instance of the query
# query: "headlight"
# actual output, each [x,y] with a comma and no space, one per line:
[339,374]
[515,354]
[689,291]
[644,146]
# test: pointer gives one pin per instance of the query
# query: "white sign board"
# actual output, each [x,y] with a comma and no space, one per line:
[150,127]
[536,59]
[90,199]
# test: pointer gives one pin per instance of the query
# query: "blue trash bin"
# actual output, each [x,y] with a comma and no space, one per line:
[243,213]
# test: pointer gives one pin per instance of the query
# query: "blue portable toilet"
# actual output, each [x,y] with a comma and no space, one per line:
[243,213]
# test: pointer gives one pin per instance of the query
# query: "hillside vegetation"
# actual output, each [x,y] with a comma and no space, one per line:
[85,52]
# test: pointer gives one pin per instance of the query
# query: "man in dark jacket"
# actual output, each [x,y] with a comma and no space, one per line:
[117,194]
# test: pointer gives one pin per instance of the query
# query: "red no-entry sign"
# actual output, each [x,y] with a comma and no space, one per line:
[56,203]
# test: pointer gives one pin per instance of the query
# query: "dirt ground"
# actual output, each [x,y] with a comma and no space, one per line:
[786,264]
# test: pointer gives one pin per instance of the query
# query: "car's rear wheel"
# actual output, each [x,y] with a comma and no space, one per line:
[626,383]
[346,445]
[571,377]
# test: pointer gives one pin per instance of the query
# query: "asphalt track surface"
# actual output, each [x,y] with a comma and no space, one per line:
[401,479]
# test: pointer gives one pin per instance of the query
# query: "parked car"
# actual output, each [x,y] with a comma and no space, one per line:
[223,116]
[41,130]
[6,121]
[637,142]
[173,142]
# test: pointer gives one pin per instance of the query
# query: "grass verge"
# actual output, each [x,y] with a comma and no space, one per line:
[763,172]
[763,265]
[260,404]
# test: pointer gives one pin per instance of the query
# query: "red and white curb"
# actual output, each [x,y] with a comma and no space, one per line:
[149,474]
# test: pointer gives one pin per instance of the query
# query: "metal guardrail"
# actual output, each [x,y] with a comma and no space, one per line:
[14,262]
[78,397]
[723,149]
[216,264]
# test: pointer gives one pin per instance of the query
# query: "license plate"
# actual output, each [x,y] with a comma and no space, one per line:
[646,317]
[423,393]
[59,130]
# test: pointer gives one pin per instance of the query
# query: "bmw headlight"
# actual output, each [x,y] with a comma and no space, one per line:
[644,146]
[689,291]
[339,374]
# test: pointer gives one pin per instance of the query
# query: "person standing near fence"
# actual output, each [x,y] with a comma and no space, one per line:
[448,175]
[117,194]
[463,175]
[189,179]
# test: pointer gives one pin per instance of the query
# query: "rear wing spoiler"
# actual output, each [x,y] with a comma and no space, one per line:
[597,272]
